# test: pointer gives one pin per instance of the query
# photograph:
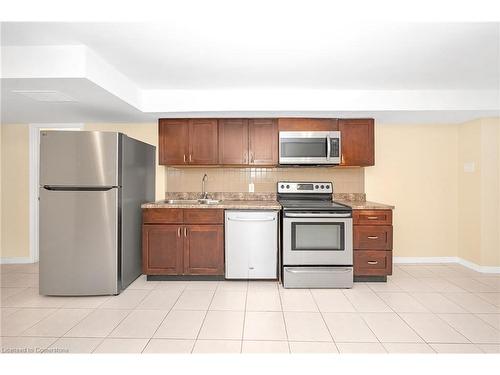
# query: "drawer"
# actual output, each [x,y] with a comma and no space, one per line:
[372,263]
[162,215]
[372,237]
[372,217]
[317,277]
[203,216]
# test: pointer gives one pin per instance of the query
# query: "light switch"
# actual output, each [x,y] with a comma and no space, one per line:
[469,167]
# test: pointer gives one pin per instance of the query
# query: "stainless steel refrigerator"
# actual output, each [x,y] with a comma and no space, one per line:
[92,185]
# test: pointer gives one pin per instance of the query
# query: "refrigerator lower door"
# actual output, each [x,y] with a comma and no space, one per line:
[78,242]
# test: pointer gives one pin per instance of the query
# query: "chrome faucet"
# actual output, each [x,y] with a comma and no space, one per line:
[204,194]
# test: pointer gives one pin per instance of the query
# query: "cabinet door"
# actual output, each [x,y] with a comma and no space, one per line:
[307,124]
[203,250]
[357,142]
[203,141]
[162,249]
[233,141]
[173,141]
[263,141]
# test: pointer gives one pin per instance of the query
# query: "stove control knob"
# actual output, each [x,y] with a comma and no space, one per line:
[316,187]
[322,186]
[288,186]
[282,186]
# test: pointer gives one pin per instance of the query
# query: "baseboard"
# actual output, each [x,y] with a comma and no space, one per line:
[16,260]
[419,260]
[477,267]
[458,260]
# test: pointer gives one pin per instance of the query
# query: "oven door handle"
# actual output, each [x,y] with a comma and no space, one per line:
[319,270]
[289,214]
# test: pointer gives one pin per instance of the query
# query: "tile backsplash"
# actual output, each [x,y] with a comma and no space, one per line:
[345,180]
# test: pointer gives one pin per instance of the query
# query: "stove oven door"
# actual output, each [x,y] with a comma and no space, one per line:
[322,240]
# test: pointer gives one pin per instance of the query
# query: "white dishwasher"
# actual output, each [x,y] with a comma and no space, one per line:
[251,244]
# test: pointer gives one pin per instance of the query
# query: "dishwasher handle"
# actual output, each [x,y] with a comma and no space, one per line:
[256,220]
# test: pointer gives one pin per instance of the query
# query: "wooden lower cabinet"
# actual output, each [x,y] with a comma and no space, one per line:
[372,263]
[375,237]
[203,250]
[372,243]
[162,249]
[192,246]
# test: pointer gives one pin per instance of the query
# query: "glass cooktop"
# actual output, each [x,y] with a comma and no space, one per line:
[305,204]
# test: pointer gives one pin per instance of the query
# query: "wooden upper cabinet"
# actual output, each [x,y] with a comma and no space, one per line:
[357,142]
[254,142]
[203,141]
[263,141]
[187,141]
[173,141]
[308,124]
[233,141]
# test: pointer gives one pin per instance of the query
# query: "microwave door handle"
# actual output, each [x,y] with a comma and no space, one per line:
[328,147]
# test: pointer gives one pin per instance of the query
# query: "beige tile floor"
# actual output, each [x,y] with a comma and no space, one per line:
[443,308]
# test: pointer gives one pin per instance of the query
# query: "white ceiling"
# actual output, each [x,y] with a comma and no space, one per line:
[179,66]
[220,52]
[93,104]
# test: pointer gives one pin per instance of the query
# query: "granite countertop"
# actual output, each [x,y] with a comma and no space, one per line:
[257,201]
[366,205]
[223,204]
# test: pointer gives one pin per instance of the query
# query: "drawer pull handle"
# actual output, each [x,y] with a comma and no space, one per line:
[373,237]
[372,262]
[179,232]
[372,217]
[185,232]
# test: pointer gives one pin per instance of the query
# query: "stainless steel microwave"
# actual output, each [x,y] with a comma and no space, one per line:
[309,147]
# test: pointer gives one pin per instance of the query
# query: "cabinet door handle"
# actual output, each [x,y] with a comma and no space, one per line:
[185,232]
[184,158]
[372,217]
[251,157]
[190,158]
[372,262]
[179,232]
[373,237]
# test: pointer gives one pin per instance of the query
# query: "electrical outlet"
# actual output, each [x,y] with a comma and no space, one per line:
[469,167]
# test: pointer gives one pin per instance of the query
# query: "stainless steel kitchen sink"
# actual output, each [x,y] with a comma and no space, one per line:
[192,201]
[208,201]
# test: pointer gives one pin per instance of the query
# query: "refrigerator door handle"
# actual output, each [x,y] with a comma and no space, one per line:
[73,188]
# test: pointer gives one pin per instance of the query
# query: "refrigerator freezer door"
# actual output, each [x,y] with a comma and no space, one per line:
[78,242]
[79,158]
